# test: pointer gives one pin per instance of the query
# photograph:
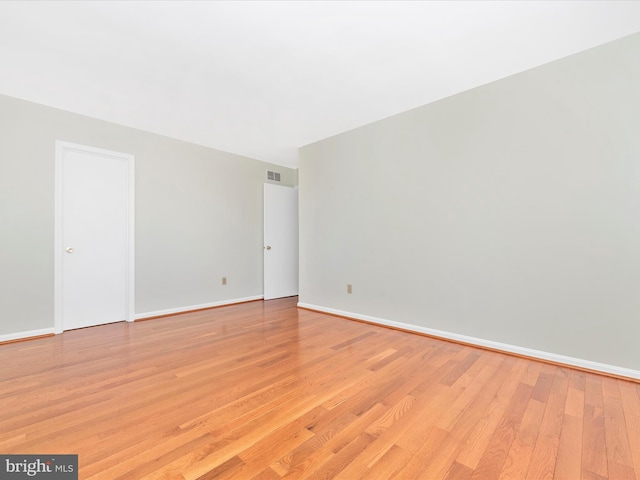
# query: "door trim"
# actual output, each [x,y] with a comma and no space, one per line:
[61,148]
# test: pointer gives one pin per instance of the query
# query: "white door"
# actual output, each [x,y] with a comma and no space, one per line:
[280,241]
[94,236]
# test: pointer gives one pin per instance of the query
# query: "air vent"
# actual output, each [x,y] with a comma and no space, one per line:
[275,176]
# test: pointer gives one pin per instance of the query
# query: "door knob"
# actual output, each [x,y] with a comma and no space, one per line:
[268,247]
[69,250]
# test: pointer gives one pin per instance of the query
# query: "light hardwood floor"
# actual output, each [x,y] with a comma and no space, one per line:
[264,390]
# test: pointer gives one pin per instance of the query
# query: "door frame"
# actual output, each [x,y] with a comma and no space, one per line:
[61,148]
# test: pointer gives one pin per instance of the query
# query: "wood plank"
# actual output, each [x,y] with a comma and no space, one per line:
[543,459]
[458,472]
[476,442]
[466,426]
[569,458]
[594,448]
[631,407]
[516,464]
[494,455]
[619,459]
[384,467]
[429,446]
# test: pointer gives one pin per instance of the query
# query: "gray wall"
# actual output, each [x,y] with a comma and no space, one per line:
[198,215]
[510,212]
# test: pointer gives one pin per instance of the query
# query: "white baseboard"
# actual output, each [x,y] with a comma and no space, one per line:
[171,311]
[26,334]
[48,331]
[504,347]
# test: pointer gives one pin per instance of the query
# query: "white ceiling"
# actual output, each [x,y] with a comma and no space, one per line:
[261,79]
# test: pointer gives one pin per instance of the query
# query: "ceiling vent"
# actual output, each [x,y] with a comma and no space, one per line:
[275,176]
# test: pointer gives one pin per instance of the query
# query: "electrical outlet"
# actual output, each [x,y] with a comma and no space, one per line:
[349,288]
[224,280]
